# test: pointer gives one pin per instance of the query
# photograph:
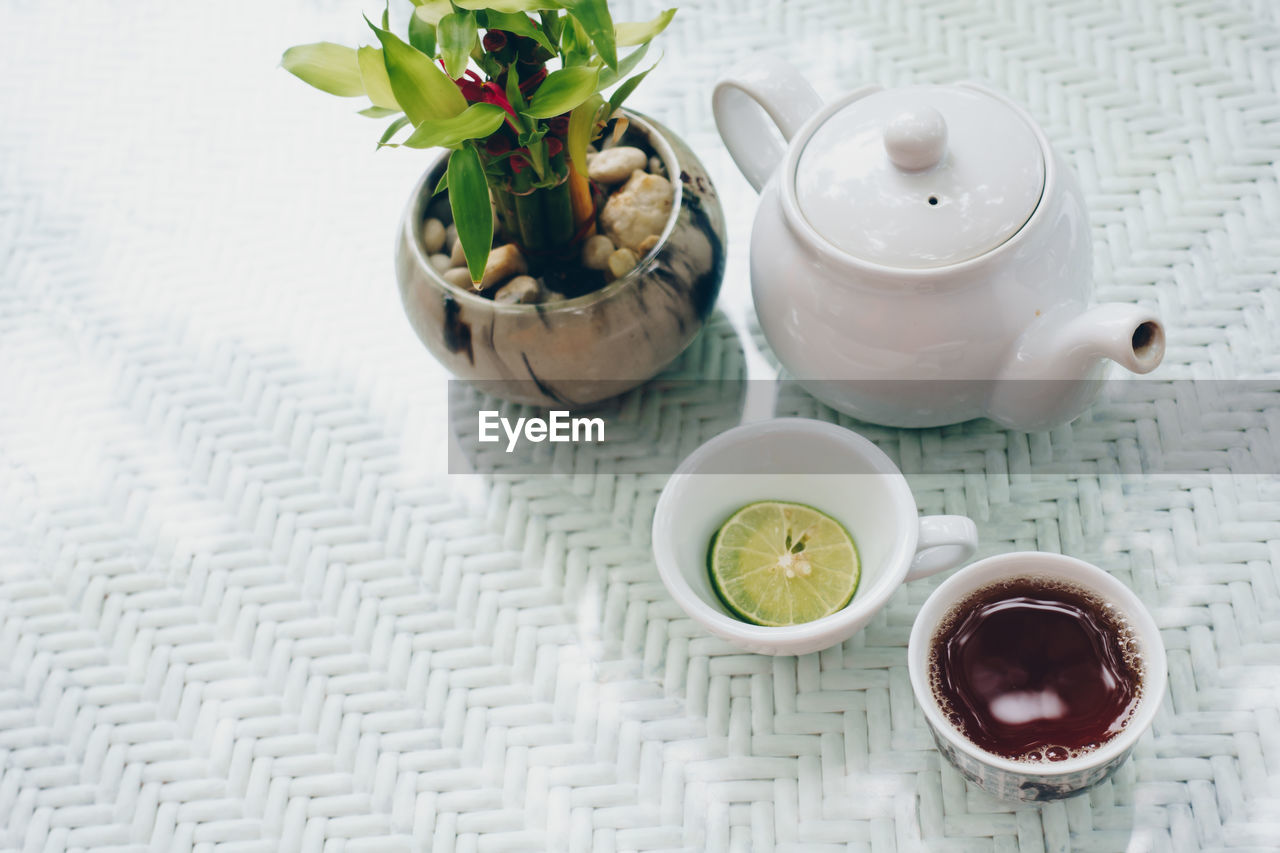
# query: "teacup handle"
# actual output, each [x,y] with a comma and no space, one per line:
[785,96]
[945,542]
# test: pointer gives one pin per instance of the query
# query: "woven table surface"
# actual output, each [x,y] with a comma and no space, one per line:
[243,607]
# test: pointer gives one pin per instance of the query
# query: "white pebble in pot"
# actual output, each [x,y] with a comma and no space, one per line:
[615,165]
[433,233]
[459,277]
[504,262]
[622,262]
[638,210]
[521,289]
[596,251]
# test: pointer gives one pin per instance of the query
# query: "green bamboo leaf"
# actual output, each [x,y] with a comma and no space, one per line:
[582,124]
[392,130]
[596,20]
[575,46]
[457,34]
[476,121]
[373,71]
[638,32]
[472,215]
[431,11]
[420,87]
[608,76]
[508,6]
[491,67]
[516,97]
[628,86]
[329,67]
[422,31]
[377,112]
[519,24]
[443,183]
[562,91]
[552,25]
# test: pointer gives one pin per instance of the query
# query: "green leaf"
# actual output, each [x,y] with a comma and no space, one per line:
[431,11]
[628,86]
[392,130]
[422,32]
[582,124]
[636,32]
[472,215]
[378,112]
[519,24]
[329,67]
[562,91]
[625,66]
[491,67]
[373,71]
[420,87]
[476,121]
[552,25]
[457,34]
[442,185]
[530,137]
[575,46]
[514,95]
[508,6]
[596,20]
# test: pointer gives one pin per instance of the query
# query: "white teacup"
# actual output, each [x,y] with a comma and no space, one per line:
[812,462]
[1020,780]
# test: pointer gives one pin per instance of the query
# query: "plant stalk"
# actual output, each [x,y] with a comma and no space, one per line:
[541,221]
[584,209]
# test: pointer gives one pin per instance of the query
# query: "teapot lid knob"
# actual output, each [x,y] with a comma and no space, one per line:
[917,139]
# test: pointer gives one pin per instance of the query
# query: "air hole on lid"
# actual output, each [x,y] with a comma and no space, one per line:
[933,199]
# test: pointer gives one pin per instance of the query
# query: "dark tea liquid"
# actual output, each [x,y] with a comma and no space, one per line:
[1035,669]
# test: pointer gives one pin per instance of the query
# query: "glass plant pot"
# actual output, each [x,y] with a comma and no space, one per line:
[586,349]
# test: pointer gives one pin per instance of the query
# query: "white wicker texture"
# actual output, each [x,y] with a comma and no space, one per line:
[241,608]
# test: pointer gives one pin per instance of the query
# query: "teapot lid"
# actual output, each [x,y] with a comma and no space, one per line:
[920,177]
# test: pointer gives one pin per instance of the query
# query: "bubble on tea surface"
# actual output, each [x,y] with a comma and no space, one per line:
[1052,754]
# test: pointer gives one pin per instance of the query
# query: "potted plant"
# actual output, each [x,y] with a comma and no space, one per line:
[559,249]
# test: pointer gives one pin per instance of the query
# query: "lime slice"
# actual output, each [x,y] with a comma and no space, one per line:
[778,563]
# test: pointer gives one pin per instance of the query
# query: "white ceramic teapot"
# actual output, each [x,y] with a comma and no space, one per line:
[921,256]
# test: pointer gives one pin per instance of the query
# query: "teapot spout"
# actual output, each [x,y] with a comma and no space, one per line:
[1057,367]
[1129,335]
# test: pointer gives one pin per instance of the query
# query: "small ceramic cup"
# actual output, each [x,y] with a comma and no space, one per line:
[1017,780]
[814,463]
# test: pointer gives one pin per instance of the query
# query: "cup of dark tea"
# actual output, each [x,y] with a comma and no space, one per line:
[1037,673]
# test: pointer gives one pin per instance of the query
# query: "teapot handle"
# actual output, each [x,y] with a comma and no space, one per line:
[785,96]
